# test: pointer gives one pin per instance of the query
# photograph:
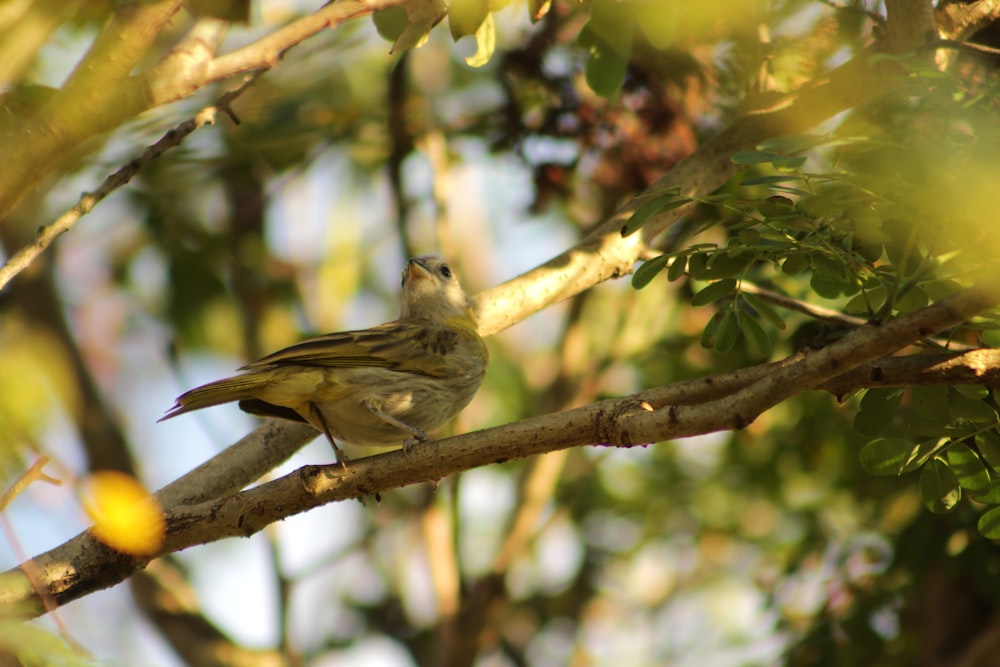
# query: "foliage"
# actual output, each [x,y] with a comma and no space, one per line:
[822,533]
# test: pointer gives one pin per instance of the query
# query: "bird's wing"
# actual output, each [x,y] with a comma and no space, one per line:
[405,347]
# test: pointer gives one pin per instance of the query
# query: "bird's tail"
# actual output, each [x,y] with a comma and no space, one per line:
[236,388]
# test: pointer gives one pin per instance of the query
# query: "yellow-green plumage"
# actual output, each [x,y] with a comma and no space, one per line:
[383,386]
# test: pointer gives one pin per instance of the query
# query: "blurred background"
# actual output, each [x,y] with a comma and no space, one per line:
[763,547]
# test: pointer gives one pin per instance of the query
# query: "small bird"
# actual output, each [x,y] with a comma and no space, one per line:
[384,386]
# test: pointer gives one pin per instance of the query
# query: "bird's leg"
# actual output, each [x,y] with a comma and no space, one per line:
[318,416]
[418,433]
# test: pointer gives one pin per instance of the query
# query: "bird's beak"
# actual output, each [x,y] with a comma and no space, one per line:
[416,269]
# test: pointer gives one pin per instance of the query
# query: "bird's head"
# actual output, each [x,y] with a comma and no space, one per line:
[431,292]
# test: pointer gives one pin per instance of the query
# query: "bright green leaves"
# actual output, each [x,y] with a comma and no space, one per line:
[649,270]
[742,312]
[607,37]
[474,17]
[970,471]
[390,23]
[952,440]
[740,315]
[660,203]
[466,16]
[408,26]
[486,42]
[730,323]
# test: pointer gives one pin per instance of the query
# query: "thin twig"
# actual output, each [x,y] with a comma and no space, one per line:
[23,258]
[835,317]
[808,309]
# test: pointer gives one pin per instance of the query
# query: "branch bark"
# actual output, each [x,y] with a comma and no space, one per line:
[102,93]
[730,401]
[93,100]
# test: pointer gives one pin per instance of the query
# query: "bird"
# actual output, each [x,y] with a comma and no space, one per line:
[385,386]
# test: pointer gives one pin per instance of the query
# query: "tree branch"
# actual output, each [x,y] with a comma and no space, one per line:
[605,254]
[730,401]
[23,258]
[100,95]
[93,100]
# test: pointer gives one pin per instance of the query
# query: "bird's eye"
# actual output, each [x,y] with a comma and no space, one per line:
[445,271]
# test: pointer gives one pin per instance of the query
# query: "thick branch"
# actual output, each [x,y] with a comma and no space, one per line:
[729,401]
[807,370]
[100,95]
[93,100]
[605,254]
[23,258]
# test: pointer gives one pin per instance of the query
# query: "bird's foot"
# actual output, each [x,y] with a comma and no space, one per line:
[418,437]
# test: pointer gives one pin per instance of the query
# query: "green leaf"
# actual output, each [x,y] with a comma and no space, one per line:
[390,22]
[777,208]
[605,71]
[763,309]
[608,38]
[486,42]
[929,413]
[714,292]
[465,17]
[972,474]
[940,289]
[759,341]
[990,496]
[973,391]
[989,524]
[795,264]
[537,9]
[748,236]
[896,456]
[992,338]
[988,444]
[421,17]
[726,264]
[829,268]
[697,265]
[677,267]
[879,407]
[930,402]
[651,208]
[914,299]
[969,410]
[727,332]
[788,162]
[649,270]
[825,287]
[708,335]
[939,487]
[859,304]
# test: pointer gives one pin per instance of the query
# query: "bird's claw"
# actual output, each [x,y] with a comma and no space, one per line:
[418,437]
